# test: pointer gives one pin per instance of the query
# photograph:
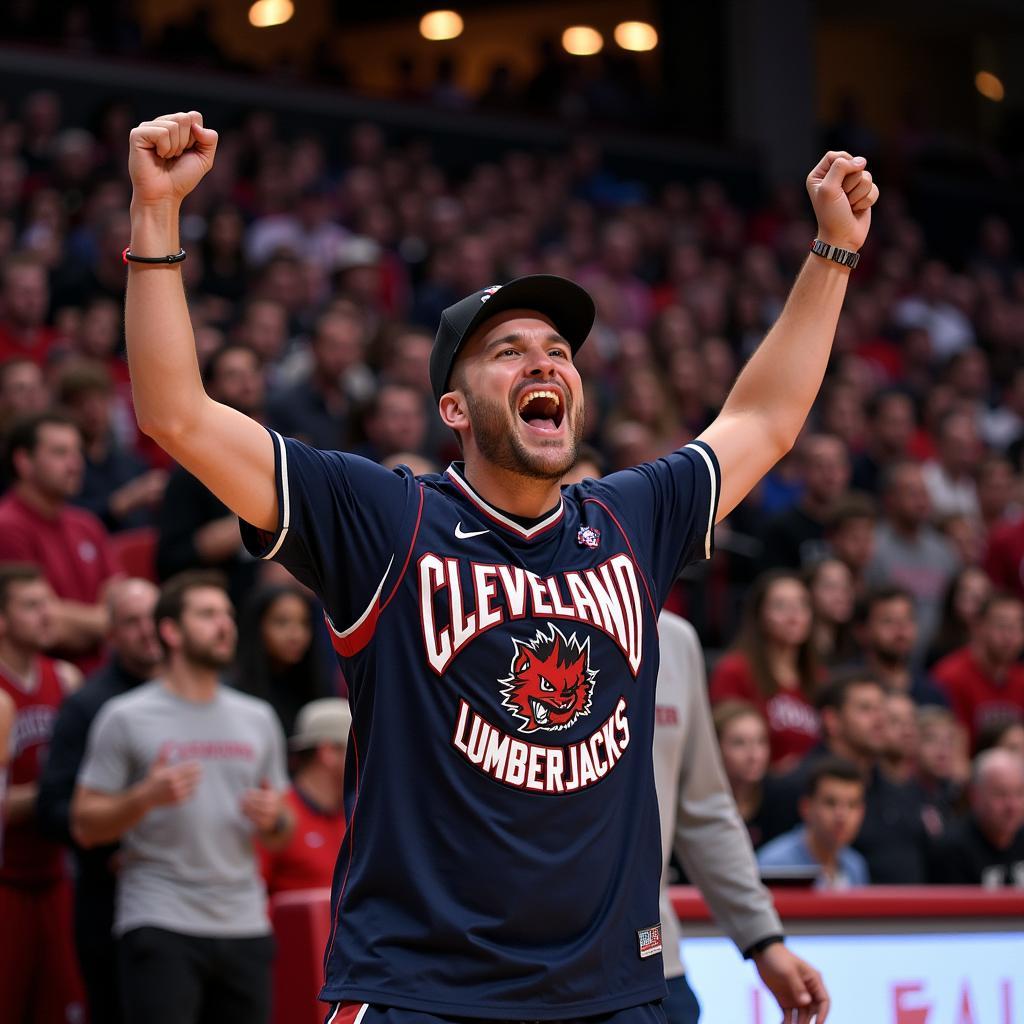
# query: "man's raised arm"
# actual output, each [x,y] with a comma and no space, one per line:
[229,452]
[767,407]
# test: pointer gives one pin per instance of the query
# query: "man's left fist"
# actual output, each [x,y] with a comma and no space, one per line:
[842,193]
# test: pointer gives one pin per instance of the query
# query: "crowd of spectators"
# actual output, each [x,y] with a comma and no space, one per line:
[863,615]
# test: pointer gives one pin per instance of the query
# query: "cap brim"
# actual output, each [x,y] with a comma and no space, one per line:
[568,306]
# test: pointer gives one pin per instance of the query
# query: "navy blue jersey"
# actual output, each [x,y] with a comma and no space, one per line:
[502,857]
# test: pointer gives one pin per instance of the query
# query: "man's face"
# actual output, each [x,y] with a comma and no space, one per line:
[238,381]
[997,800]
[27,619]
[908,499]
[826,468]
[132,628]
[894,423]
[55,467]
[337,347]
[937,750]
[26,296]
[399,423]
[207,628]
[891,630]
[522,395]
[24,391]
[1001,632]
[901,737]
[854,542]
[833,814]
[861,720]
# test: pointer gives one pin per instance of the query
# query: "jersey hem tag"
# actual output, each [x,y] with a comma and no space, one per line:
[649,940]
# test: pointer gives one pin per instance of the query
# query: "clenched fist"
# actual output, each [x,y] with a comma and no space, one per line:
[169,156]
[842,193]
[168,784]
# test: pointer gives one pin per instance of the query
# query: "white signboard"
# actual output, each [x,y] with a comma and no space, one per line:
[874,979]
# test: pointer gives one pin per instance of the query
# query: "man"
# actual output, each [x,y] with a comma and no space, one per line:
[796,537]
[890,415]
[950,476]
[38,976]
[850,534]
[317,407]
[25,302]
[185,773]
[887,632]
[38,525]
[135,654]
[832,810]
[909,552]
[481,908]
[196,530]
[987,848]
[891,838]
[23,391]
[117,486]
[393,422]
[985,680]
[316,799]
[899,757]
[699,818]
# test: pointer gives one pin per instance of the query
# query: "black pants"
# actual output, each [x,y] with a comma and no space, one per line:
[169,978]
[97,948]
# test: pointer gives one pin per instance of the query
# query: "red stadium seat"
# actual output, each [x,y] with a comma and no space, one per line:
[135,551]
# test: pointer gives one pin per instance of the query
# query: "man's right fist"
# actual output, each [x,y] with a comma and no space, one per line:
[169,156]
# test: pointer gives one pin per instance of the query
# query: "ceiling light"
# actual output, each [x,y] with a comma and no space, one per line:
[267,13]
[582,40]
[990,86]
[439,25]
[636,35]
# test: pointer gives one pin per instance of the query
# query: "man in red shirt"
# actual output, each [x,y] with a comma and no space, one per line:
[984,680]
[316,799]
[69,544]
[25,297]
[38,970]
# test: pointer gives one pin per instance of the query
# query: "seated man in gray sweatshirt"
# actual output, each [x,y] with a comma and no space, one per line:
[699,818]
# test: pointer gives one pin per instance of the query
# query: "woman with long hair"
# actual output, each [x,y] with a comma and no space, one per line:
[279,658]
[743,740]
[967,592]
[774,665]
[833,602]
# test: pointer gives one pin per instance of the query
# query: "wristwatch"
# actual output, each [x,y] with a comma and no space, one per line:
[844,257]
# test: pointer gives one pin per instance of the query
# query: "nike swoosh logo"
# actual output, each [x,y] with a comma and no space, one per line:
[463,535]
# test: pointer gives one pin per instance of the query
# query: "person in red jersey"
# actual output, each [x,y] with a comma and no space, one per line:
[1004,557]
[70,545]
[38,970]
[985,680]
[316,799]
[774,665]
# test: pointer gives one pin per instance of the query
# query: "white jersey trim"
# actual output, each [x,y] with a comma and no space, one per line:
[714,496]
[493,513]
[369,608]
[283,497]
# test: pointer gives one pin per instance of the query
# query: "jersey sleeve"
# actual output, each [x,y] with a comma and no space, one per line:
[667,509]
[344,526]
[107,766]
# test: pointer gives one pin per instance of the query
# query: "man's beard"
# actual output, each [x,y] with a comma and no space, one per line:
[206,656]
[502,446]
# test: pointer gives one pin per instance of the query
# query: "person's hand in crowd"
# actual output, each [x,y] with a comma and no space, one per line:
[169,784]
[842,193]
[144,491]
[169,156]
[263,807]
[795,984]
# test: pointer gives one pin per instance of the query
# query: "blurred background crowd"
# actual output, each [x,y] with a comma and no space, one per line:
[865,602]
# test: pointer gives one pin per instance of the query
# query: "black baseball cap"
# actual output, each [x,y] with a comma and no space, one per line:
[568,306]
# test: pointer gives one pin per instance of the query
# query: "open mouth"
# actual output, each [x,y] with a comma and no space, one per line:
[542,409]
[542,712]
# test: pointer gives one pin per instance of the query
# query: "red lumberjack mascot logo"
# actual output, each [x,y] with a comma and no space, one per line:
[551,681]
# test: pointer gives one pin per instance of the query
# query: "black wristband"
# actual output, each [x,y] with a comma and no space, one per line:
[175,257]
[761,945]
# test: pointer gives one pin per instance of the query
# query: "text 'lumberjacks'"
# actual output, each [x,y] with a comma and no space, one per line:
[607,597]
